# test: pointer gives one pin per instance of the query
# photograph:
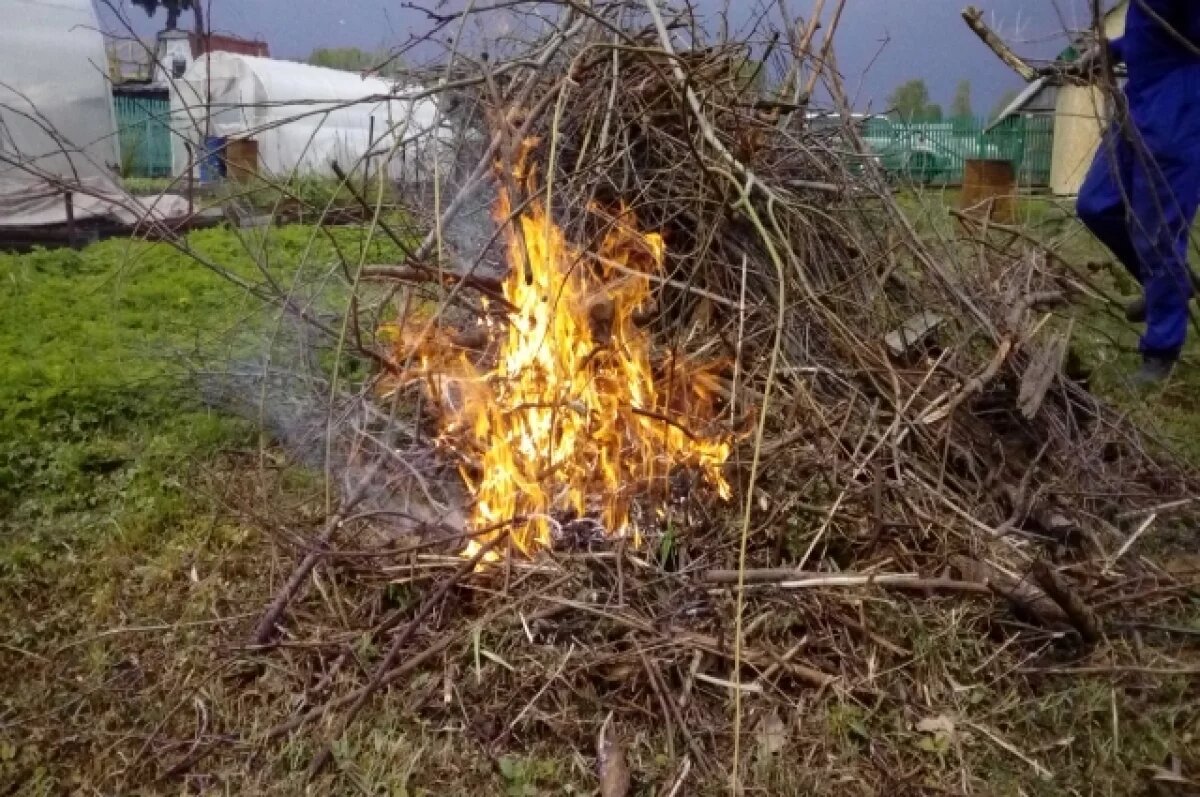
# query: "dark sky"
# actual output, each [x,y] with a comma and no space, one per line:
[881,42]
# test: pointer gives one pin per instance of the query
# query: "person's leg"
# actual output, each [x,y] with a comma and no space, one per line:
[1105,198]
[1165,196]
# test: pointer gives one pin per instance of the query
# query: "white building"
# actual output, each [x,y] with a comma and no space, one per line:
[303,118]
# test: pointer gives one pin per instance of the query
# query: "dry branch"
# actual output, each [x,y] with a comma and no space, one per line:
[1082,617]
[488,286]
[786,578]
[389,660]
[1021,593]
[974,19]
[269,621]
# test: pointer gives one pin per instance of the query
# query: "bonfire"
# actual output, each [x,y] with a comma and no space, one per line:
[701,296]
[568,423]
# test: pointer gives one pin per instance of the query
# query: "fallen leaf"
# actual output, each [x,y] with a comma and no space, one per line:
[610,762]
[940,724]
[941,733]
[487,654]
[618,673]
[1171,772]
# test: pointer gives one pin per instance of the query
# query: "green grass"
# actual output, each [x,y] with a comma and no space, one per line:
[151,186]
[94,346]
[115,475]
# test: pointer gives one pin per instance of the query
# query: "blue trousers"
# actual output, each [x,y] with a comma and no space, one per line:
[1140,199]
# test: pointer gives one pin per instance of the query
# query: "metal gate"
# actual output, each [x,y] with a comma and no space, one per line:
[936,152]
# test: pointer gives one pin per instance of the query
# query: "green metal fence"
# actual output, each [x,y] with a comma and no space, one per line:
[144,135]
[936,152]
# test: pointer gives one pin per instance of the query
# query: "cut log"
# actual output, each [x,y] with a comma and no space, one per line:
[1078,612]
[1021,593]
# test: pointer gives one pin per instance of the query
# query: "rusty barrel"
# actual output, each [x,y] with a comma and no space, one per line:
[241,159]
[990,190]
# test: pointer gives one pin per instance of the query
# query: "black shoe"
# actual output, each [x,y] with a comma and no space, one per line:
[1155,370]
[1135,311]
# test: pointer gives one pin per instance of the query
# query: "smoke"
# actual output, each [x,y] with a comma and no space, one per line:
[317,399]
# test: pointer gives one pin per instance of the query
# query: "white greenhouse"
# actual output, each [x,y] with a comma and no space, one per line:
[302,118]
[58,133]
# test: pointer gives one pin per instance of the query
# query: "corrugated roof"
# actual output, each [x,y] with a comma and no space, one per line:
[1022,99]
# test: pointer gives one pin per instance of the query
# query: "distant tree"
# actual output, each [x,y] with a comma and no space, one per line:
[174,9]
[347,59]
[961,107]
[1006,99]
[910,102]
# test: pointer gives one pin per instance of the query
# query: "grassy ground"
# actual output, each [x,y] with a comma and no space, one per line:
[114,482]
[150,186]
[126,575]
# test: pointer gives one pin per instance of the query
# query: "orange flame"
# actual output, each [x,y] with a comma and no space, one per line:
[569,421]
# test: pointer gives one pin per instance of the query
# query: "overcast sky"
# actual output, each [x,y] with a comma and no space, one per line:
[881,42]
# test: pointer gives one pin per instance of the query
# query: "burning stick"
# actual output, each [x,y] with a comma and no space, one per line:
[600,314]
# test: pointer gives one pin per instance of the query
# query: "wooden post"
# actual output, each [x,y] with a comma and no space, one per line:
[191,179]
[370,145]
[990,190]
[70,202]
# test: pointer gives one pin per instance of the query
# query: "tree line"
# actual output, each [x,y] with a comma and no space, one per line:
[912,102]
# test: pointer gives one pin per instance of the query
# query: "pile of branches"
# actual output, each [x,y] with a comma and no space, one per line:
[913,428]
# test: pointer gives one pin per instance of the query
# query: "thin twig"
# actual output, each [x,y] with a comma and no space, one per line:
[377,679]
